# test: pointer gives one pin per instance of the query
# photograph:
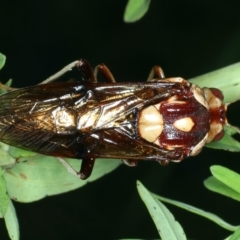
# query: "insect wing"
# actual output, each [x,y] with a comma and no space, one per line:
[26,117]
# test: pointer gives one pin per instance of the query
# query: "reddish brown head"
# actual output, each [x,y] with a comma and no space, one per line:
[217,110]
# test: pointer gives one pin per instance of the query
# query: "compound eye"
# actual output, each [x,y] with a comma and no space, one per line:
[217,93]
[219,136]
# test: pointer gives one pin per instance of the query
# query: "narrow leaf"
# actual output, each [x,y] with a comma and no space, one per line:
[135,10]
[227,79]
[4,199]
[11,222]
[2,60]
[198,211]
[226,143]
[230,130]
[168,228]
[226,176]
[236,235]
[214,185]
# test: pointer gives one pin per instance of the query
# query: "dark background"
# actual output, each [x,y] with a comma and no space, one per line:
[187,38]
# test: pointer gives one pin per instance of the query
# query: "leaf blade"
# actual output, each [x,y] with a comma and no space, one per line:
[211,216]
[167,226]
[2,60]
[135,10]
[11,222]
[4,199]
[36,177]
[215,185]
[226,176]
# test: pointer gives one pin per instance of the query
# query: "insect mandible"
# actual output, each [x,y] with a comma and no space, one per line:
[163,119]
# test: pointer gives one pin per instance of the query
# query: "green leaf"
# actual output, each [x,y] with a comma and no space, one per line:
[9,83]
[2,60]
[167,226]
[6,159]
[230,130]
[227,79]
[214,185]
[135,10]
[198,211]
[11,222]
[228,238]
[18,152]
[236,235]
[227,177]
[4,199]
[226,143]
[38,176]
[4,88]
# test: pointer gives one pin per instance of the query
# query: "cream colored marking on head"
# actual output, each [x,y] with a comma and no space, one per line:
[199,95]
[184,124]
[213,101]
[215,128]
[150,124]
[174,100]
[198,148]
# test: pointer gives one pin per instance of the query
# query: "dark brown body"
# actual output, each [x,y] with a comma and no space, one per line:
[88,120]
[26,119]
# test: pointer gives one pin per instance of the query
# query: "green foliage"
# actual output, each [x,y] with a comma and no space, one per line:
[135,10]
[36,177]
[2,60]
[11,222]
[224,181]
[167,226]
[4,199]
[159,213]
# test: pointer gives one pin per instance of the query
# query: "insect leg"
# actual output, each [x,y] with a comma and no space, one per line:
[156,72]
[130,163]
[68,167]
[105,71]
[86,167]
[82,65]
[67,68]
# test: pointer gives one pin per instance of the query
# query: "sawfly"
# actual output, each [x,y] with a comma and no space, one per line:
[163,119]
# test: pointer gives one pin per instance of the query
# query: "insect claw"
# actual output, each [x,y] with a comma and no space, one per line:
[163,162]
[130,163]
[86,167]
[68,167]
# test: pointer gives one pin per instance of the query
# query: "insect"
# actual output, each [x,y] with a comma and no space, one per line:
[163,119]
